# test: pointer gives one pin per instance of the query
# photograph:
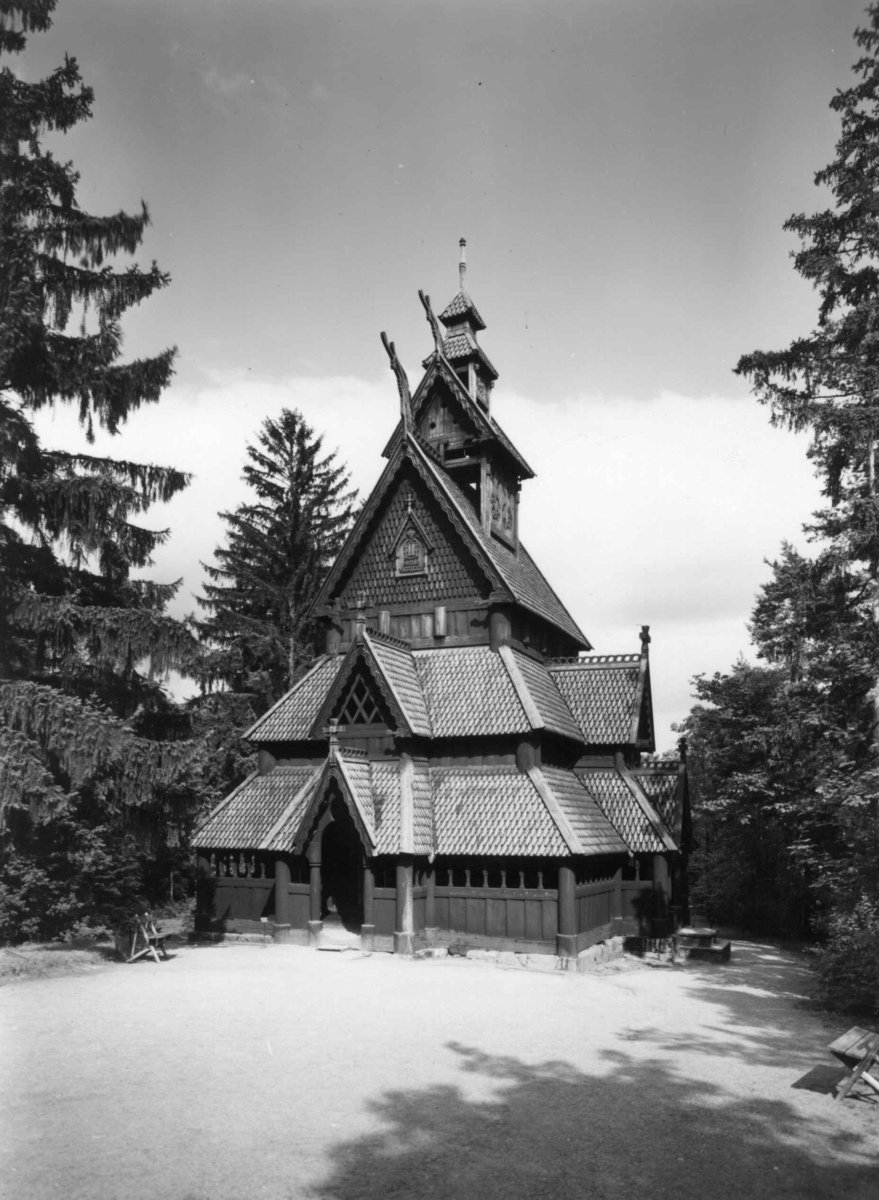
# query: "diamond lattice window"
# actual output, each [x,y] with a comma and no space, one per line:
[358,706]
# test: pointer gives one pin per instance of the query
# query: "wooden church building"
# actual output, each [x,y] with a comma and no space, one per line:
[457,767]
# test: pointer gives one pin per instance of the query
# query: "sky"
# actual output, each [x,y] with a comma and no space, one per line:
[621,169]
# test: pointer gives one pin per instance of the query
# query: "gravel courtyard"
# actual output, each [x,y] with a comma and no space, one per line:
[240,1071]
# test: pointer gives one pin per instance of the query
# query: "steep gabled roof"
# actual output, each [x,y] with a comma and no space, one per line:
[519,574]
[408,453]
[390,664]
[609,694]
[438,367]
[395,661]
[291,719]
[350,770]
[246,818]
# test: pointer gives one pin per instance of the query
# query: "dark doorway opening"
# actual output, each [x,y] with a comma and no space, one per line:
[342,870]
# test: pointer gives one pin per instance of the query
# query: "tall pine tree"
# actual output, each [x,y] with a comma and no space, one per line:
[814,711]
[88,741]
[278,551]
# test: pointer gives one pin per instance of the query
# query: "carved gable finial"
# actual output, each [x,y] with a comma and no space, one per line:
[432,322]
[402,383]
[462,263]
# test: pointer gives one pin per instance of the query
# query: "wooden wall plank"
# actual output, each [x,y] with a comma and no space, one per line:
[496,917]
[475,916]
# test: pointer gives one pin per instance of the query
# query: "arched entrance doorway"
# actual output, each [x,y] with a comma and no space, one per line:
[342,869]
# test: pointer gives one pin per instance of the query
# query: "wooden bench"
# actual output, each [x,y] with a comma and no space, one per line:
[146,939]
[857,1049]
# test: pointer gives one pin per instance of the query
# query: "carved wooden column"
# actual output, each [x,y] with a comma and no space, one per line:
[367,929]
[315,924]
[282,900]
[430,926]
[404,924]
[566,940]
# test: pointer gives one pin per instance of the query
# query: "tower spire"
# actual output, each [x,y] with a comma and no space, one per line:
[462,264]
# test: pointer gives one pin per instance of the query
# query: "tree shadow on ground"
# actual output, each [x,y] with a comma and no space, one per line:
[525,1130]
[765,1015]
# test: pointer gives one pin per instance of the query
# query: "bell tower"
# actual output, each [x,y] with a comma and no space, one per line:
[454,418]
[463,323]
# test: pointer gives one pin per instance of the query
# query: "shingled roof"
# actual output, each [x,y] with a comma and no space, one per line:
[246,818]
[661,781]
[395,660]
[291,719]
[491,810]
[594,832]
[460,307]
[627,808]
[605,693]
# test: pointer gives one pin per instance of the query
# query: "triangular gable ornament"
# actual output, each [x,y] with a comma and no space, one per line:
[411,548]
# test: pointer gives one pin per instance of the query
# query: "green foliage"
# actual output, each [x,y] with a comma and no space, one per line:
[71,876]
[787,755]
[848,968]
[751,762]
[279,549]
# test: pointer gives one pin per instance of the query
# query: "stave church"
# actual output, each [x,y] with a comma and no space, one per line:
[457,768]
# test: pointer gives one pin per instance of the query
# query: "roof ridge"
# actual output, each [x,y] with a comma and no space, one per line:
[593,660]
[508,768]
[389,639]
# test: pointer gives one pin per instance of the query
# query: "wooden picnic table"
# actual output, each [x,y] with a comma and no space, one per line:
[858,1049]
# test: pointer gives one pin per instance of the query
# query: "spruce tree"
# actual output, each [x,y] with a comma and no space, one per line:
[278,550]
[87,736]
[815,708]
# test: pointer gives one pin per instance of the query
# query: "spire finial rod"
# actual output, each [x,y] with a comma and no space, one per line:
[462,263]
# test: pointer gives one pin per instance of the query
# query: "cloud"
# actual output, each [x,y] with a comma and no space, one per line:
[653,512]
[226,86]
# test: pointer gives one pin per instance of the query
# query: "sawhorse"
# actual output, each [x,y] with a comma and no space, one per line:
[151,940]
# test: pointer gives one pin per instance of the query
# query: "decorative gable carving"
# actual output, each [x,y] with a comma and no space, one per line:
[411,547]
[502,508]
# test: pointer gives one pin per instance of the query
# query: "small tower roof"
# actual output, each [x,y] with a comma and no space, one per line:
[459,310]
[462,310]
